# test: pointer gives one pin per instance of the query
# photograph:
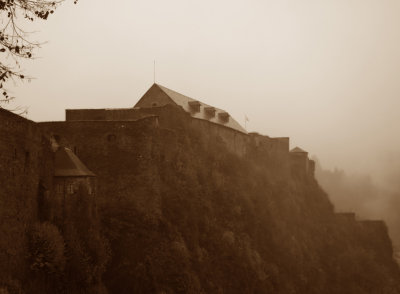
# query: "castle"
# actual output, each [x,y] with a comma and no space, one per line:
[33,149]
[160,103]
[103,153]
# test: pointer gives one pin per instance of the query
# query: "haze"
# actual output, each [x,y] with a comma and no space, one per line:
[324,73]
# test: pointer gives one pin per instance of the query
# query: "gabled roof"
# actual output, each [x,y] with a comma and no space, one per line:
[298,150]
[221,116]
[67,164]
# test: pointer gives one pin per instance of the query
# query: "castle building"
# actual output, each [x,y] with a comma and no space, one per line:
[159,95]
[70,174]
[172,110]
[211,121]
[156,97]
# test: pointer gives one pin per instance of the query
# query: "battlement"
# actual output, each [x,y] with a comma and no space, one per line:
[105,114]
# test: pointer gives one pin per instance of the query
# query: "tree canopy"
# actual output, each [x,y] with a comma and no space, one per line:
[15,41]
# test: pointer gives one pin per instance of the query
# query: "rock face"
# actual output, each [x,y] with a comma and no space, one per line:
[183,213]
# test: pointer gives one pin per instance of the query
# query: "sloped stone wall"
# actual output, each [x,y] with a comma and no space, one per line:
[25,177]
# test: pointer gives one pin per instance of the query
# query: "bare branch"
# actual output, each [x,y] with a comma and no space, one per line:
[15,43]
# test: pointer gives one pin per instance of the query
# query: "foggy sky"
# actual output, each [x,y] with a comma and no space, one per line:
[324,73]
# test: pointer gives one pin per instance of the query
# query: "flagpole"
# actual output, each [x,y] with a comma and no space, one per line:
[154,71]
[246,119]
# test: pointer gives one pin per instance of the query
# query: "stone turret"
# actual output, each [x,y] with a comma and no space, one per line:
[299,163]
[70,174]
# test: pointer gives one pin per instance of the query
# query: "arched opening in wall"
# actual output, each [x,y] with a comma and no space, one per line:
[57,138]
[111,138]
[15,155]
[154,104]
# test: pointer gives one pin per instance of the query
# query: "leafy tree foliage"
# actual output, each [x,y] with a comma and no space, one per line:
[47,249]
[15,42]
[86,249]
[216,223]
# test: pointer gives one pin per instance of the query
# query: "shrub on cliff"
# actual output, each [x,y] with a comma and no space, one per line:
[46,258]
[216,223]
[46,249]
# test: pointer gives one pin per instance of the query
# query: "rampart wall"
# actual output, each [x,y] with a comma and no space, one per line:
[109,147]
[373,234]
[106,144]
[376,237]
[25,178]
[274,152]
[24,157]
[116,114]
[235,141]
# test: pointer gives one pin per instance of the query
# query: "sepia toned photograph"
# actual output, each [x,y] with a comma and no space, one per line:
[200,147]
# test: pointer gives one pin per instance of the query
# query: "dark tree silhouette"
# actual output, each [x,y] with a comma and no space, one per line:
[15,43]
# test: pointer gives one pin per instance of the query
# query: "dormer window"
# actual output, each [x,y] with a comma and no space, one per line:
[223,116]
[194,106]
[210,111]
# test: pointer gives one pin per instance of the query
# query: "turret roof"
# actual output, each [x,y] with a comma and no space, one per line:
[298,150]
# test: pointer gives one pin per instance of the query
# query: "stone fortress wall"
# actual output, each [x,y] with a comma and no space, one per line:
[21,147]
[22,154]
[108,147]
[25,178]
[272,151]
